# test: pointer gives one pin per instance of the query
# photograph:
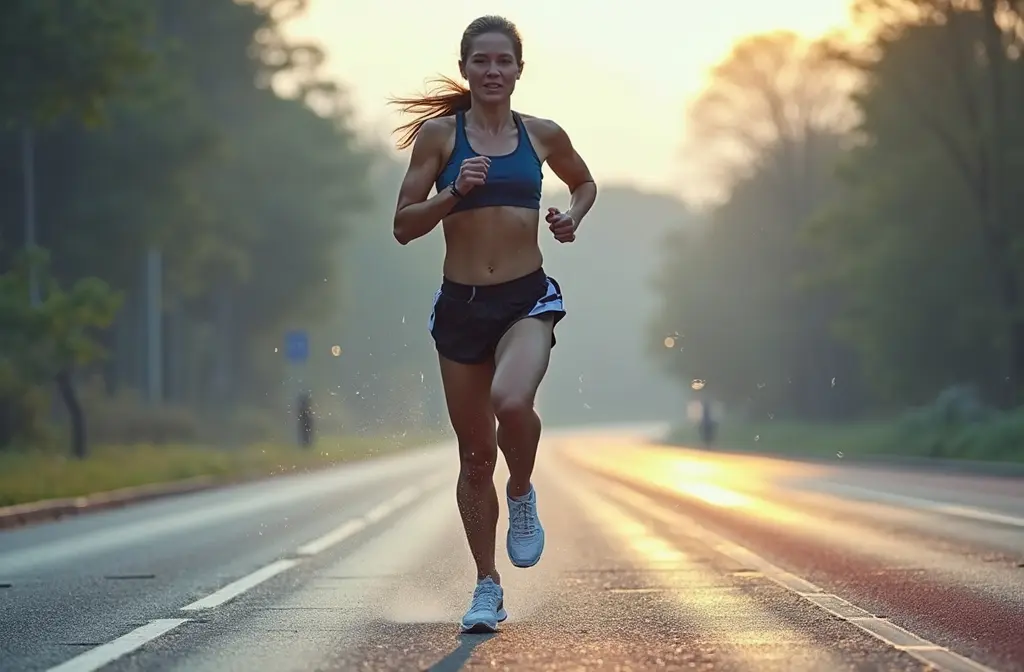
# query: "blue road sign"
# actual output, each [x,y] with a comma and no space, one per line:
[296,346]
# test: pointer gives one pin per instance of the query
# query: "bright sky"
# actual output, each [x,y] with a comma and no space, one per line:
[616,76]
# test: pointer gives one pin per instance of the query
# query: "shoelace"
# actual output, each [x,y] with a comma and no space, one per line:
[524,522]
[486,596]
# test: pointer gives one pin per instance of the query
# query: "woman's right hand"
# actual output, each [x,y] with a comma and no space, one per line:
[472,172]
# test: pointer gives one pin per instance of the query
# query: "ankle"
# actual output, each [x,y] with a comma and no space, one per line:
[518,490]
[492,575]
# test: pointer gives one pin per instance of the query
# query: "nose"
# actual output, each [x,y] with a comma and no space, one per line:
[492,69]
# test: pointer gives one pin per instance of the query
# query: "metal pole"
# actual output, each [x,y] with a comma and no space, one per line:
[154,325]
[28,170]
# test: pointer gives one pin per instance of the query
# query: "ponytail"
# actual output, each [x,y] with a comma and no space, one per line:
[445,99]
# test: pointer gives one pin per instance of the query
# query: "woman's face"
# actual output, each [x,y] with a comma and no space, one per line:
[491,67]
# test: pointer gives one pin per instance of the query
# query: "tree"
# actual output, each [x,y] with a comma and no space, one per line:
[284,188]
[46,342]
[773,118]
[925,230]
[770,98]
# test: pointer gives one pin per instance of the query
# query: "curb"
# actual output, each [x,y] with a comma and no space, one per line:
[55,509]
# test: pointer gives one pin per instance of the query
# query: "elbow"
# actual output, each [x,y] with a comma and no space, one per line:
[400,233]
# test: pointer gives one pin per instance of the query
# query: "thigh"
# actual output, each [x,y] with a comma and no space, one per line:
[467,390]
[522,357]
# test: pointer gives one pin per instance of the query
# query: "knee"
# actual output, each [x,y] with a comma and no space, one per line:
[477,462]
[511,407]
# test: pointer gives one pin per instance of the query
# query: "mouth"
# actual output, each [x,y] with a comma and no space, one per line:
[493,86]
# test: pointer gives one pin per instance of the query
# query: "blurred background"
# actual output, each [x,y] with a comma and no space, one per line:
[808,224]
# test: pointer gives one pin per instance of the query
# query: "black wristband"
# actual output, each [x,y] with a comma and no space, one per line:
[455,192]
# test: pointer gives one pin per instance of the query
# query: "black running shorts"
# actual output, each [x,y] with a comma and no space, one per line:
[468,320]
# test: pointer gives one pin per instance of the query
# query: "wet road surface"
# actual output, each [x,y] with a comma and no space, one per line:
[657,558]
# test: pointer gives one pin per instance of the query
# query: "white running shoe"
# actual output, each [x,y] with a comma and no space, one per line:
[487,608]
[525,539]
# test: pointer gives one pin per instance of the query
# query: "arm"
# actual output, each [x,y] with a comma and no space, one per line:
[415,214]
[570,167]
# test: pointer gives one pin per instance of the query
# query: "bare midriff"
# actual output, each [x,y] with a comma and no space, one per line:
[488,246]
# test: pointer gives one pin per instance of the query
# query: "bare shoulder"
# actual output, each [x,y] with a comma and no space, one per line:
[437,132]
[545,130]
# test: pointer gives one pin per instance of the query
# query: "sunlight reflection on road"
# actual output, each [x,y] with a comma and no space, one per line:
[725,481]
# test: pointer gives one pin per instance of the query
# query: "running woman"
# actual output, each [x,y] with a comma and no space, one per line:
[494,314]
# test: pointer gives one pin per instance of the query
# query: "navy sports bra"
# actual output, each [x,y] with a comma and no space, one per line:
[512,179]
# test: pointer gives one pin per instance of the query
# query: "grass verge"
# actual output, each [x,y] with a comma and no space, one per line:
[34,476]
[999,438]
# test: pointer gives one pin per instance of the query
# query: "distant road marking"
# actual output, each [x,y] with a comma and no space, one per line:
[94,659]
[319,545]
[926,504]
[939,657]
[105,654]
[236,588]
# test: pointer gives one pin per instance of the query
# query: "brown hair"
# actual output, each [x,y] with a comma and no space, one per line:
[447,95]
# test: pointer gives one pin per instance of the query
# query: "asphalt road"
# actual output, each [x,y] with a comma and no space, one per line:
[657,558]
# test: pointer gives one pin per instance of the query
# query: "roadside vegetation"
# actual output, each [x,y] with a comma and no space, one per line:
[857,285]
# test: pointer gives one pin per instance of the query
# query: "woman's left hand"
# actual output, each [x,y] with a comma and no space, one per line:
[562,225]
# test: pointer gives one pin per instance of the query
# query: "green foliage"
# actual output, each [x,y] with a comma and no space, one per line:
[40,341]
[67,56]
[921,236]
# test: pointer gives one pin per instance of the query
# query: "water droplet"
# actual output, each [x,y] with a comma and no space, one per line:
[697,384]
[670,342]
[839,454]
[771,416]
[336,350]
[833,382]
[586,406]
[403,319]
[757,437]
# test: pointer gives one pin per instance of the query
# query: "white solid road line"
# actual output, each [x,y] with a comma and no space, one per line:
[236,588]
[335,536]
[385,509]
[96,658]
[925,504]
[939,657]
[356,525]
